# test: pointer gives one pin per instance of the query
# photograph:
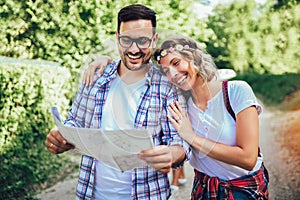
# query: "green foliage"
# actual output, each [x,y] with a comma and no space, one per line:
[65,31]
[180,17]
[27,91]
[61,31]
[254,38]
[284,3]
[272,89]
[245,36]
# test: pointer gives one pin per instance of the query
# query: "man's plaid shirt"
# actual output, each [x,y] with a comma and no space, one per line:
[86,111]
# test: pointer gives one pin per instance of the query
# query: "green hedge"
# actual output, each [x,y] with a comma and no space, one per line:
[272,89]
[27,91]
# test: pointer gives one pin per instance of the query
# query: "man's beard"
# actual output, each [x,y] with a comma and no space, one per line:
[127,63]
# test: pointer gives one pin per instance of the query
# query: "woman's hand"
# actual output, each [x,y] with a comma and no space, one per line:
[100,62]
[181,122]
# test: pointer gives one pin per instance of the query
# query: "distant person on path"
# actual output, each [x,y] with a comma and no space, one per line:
[221,124]
[94,107]
[178,178]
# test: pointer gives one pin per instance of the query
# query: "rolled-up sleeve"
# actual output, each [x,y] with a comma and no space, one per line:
[79,108]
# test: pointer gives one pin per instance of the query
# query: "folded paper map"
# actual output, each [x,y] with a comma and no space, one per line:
[117,149]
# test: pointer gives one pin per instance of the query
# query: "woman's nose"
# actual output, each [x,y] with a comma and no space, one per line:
[173,72]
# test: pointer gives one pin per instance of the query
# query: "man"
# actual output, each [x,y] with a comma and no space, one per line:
[95,107]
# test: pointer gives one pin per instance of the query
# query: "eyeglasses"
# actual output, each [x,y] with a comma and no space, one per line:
[141,42]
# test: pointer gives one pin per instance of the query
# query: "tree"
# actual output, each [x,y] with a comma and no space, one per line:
[256,38]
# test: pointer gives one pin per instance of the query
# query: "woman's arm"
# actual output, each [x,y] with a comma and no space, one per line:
[89,72]
[244,154]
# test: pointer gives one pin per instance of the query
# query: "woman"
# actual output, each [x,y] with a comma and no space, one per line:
[225,153]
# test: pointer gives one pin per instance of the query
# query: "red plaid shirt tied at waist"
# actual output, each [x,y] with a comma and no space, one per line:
[253,186]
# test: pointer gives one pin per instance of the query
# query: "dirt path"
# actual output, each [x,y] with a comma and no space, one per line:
[280,145]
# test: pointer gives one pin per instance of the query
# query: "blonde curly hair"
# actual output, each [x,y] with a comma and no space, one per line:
[193,52]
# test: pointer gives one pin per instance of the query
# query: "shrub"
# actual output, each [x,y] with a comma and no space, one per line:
[27,91]
[272,89]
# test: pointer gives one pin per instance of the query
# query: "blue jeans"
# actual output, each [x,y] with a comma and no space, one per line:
[236,195]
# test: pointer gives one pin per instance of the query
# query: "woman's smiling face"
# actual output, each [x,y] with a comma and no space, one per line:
[179,71]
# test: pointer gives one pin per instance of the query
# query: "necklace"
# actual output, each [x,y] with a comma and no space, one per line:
[202,104]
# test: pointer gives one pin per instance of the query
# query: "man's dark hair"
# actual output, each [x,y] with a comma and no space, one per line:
[135,12]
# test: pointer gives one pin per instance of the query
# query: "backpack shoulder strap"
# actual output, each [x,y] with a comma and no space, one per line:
[226,99]
[228,106]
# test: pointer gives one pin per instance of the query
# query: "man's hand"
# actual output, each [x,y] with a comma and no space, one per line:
[56,144]
[159,157]
[100,62]
[162,157]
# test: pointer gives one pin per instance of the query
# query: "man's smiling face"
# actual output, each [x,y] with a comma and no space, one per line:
[135,43]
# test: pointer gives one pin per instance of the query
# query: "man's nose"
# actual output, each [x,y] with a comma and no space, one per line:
[134,48]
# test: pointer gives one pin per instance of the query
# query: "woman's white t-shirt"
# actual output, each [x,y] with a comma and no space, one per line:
[215,123]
